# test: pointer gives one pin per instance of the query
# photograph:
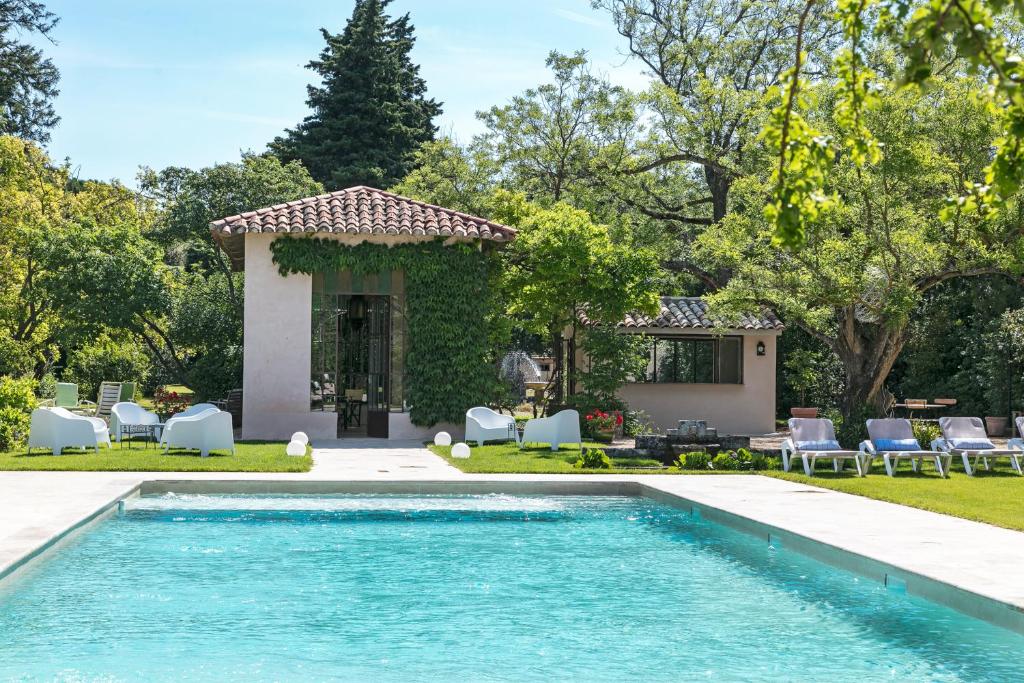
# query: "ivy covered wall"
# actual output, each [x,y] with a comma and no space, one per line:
[451,311]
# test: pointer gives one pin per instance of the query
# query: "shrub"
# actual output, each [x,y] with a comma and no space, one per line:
[697,460]
[926,432]
[636,422]
[593,459]
[47,386]
[106,358]
[725,461]
[17,401]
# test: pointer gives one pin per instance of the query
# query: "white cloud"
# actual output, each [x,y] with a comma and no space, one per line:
[578,18]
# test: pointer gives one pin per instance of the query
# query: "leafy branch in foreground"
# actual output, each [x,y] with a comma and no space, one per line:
[927,33]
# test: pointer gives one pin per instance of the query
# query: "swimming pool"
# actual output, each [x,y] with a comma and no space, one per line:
[474,587]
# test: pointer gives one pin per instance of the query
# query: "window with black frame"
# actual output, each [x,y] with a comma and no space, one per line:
[695,360]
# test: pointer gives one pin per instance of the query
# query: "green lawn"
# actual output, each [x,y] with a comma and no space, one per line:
[996,497]
[250,456]
[508,459]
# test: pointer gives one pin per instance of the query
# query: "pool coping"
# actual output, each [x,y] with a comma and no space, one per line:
[973,603]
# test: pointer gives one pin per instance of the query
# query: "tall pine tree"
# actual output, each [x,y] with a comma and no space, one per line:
[371,113]
[28,81]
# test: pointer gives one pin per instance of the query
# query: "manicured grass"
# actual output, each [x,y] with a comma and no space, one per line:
[995,497]
[508,459]
[250,456]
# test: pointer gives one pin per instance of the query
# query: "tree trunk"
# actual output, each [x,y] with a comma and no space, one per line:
[867,351]
[718,184]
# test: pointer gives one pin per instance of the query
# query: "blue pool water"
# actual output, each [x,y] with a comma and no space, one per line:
[472,588]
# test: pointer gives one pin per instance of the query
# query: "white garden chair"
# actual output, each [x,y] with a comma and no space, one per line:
[563,427]
[893,440]
[133,419]
[191,411]
[59,428]
[966,437]
[483,424]
[204,432]
[813,439]
[1017,443]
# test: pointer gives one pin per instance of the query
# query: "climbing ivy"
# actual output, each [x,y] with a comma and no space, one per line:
[451,308]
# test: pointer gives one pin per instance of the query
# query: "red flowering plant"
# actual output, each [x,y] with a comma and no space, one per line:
[600,421]
[169,403]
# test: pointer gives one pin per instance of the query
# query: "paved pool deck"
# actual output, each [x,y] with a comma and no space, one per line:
[944,558]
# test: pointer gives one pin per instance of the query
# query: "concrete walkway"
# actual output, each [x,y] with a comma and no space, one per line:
[930,552]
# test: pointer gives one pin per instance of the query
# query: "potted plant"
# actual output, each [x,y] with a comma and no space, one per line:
[801,375]
[602,425]
[168,403]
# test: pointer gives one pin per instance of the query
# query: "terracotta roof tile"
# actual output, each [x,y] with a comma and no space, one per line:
[362,210]
[684,312]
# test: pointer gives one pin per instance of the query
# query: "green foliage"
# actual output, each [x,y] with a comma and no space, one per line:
[852,428]
[697,460]
[636,422]
[593,459]
[810,373]
[107,358]
[28,81]
[1004,363]
[725,462]
[943,357]
[371,112]
[932,36]
[612,360]
[17,401]
[450,312]
[925,432]
[562,261]
[855,286]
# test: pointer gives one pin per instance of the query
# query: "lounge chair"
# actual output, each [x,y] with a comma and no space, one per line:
[483,424]
[191,411]
[893,440]
[1017,443]
[204,432]
[59,428]
[813,439]
[131,418]
[66,396]
[108,395]
[966,437]
[562,427]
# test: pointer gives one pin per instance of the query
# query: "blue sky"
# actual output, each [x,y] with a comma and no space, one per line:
[195,82]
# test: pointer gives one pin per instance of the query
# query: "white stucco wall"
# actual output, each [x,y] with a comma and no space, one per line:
[747,408]
[275,374]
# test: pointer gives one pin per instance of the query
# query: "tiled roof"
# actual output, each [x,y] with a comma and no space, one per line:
[692,312]
[362,211]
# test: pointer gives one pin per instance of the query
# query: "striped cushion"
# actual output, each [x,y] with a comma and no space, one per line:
[818,445]
[972,444]
[897,445]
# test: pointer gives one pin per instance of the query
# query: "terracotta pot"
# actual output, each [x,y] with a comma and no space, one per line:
[996,426]
[803,412]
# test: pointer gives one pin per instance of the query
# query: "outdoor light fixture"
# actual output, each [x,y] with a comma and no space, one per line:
[760,348]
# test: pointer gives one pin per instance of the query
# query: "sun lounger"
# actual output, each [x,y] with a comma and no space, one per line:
[966,437]
[813,439]
[893,440]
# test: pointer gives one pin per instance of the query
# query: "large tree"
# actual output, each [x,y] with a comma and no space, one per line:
[871,259]
[28,81]
[714,63]
[370,113]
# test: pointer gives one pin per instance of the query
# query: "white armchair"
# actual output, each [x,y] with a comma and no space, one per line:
[58,428]
[191,411]
[483,424]
[127,414]
[562,427]
[204,432]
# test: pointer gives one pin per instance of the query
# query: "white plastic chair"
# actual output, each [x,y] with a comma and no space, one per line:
[813,439]
[483,424]
[966,437]
[563,427]
[191,411]
[59,428]
[128,414]
[205,432]
[895,430]
[1017,443]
